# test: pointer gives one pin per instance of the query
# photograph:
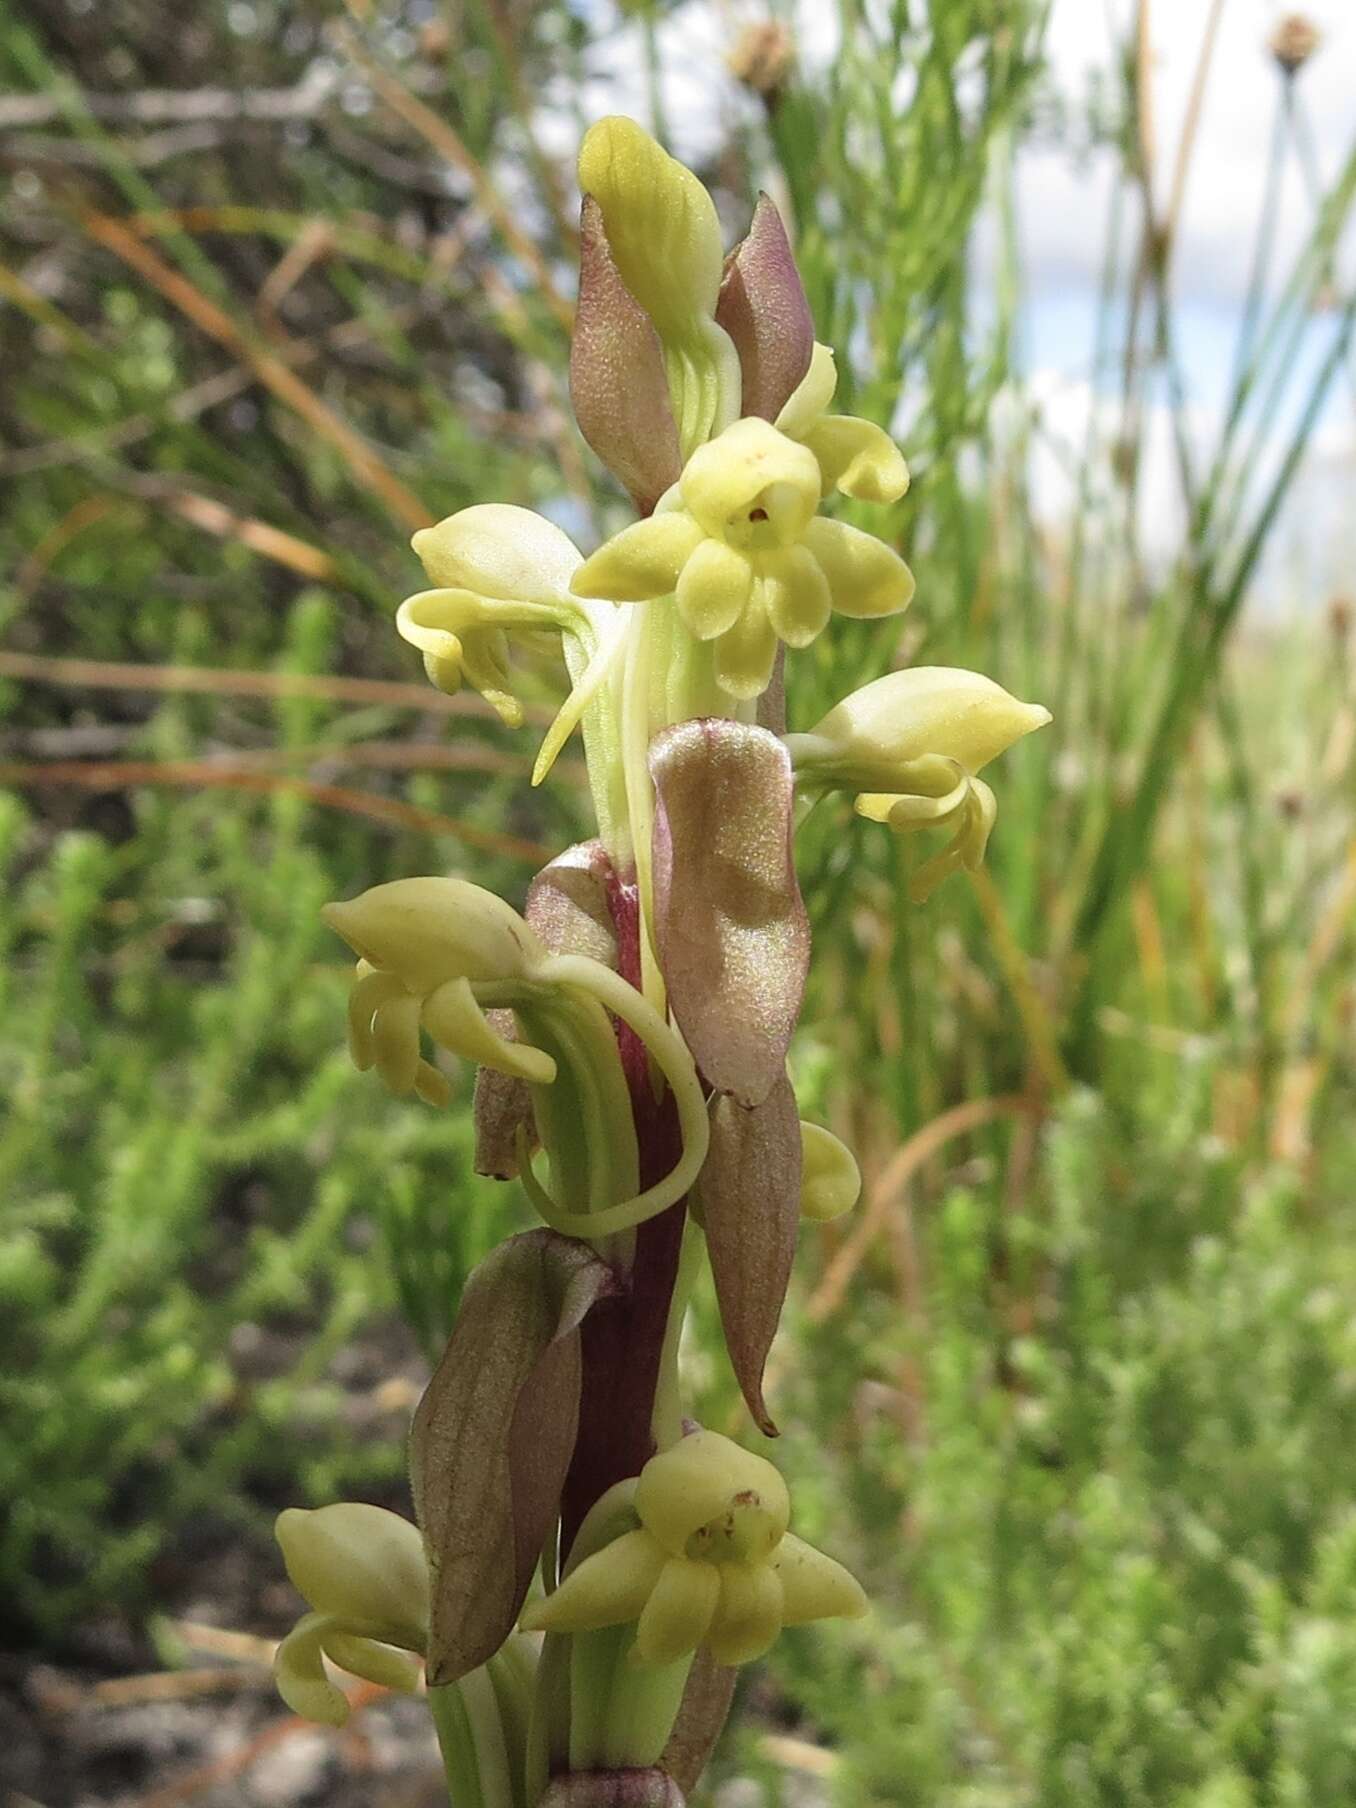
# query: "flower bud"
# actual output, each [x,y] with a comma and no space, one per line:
[831,1181]
[364,1572]
[618,384]
[662,228]
[762,307]
[663,240]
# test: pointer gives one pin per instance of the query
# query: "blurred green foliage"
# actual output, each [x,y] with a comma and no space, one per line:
[1078,1399]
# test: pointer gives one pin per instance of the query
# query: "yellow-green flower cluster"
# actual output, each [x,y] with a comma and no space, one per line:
[711,1562]
[747,557]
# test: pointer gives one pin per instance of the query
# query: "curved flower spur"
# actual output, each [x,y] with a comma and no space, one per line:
[632,1026]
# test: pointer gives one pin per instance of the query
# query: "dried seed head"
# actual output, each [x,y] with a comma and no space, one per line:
[763,58]
[1293,42]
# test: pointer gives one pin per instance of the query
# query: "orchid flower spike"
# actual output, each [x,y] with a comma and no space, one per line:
[362,1571]
[710,1562]
[741,547]
[911,744]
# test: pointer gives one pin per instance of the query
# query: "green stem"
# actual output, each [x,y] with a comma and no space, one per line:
[667,1421]
[457,1745]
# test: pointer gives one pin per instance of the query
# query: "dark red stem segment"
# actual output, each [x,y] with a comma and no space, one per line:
[623,1338]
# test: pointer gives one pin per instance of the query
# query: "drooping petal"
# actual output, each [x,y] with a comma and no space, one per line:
[831,1181]
[372,1661]
[750,1194]
[455,1020]
[642,561]
[299,1674]
[371,988]
[865,577]
[795,595]
[749,1616]
[747,654]
[679,1611]
[732,933]
[859,458]
[713,589]
[618,384]
[493,1436]
[608,1589]
[762,307]
[498,550]
[395,1042]
[815,1587]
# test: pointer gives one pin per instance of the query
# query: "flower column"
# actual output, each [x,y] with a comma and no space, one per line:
[631,1027]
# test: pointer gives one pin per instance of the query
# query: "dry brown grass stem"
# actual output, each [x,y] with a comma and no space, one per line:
[112,675]
[887,1188]
[202,775]
[441,137]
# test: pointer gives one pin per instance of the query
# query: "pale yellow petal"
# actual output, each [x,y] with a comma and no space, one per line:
[299,1674]
[431,929]
[927,710]
[374,1662]
[813,395]
[749,1615]
[795,594]
[370,989]
[608,1589]
[815,1587]
[859,458]
[642,561]
[679,1611]
[713,589]
[456,1022]
[357,1562]
[865,577]
[498,550]
[395,1042]
[746,654]
[699,1485]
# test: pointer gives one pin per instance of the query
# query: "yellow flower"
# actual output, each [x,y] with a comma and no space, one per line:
[711,1562]
[911,744]
[746,556]
[363,1571]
